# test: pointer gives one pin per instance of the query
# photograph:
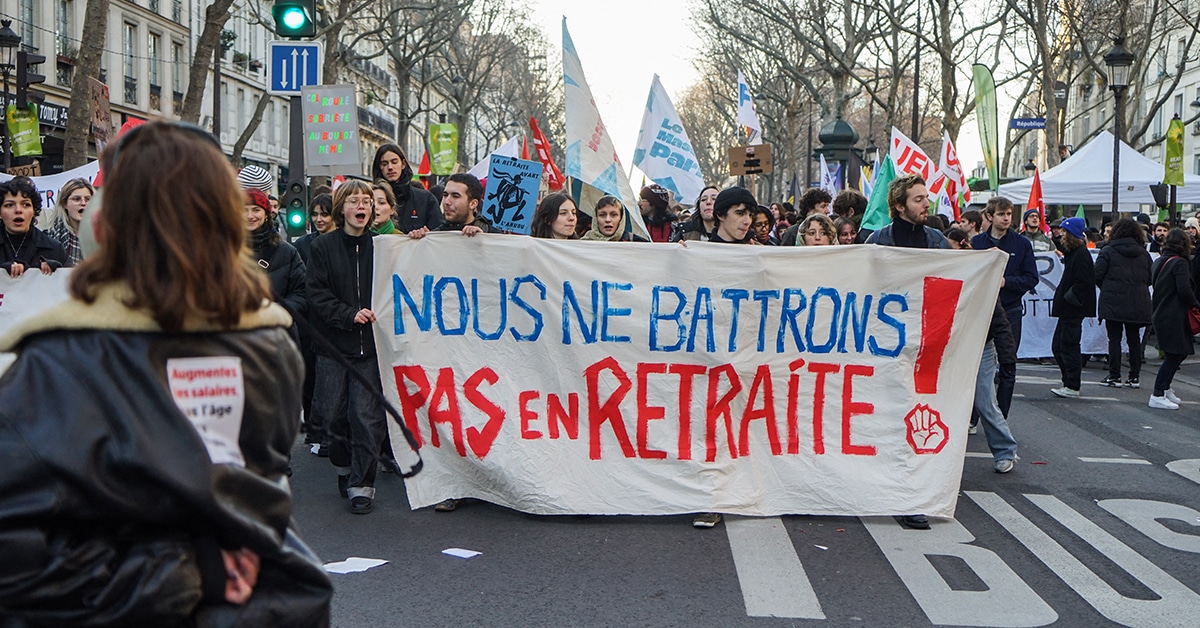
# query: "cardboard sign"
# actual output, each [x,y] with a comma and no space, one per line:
[745,160]
[512,192]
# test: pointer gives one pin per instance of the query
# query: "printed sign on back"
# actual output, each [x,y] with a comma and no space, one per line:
[211,393]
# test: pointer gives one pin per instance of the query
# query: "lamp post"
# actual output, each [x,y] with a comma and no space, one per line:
[9,42]
[1118,61]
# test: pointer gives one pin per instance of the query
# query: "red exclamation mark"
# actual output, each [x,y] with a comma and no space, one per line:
[937,317]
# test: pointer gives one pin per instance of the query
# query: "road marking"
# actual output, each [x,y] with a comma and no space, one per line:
[1144,515]
[1116,460]
[769,571]
[979,454]
[1177,605]
[1189,469]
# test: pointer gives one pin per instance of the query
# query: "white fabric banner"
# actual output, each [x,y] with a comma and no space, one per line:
[591,156]
[1037,327]
[663,150]
[26,296]
[552,378]
[49,186]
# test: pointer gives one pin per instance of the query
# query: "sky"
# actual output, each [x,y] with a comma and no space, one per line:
[623,43]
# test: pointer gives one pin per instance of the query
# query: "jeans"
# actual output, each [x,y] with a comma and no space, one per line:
[1166,372]
[1133,339]
[355,421]
[1006,376]
[995,426]
[1065,346]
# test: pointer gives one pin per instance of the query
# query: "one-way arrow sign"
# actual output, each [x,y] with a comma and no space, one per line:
[293,65]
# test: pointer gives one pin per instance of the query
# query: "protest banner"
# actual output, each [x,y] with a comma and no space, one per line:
[616,378]
[1037,326]
[908,156]
[663,150]
[49,185]
[512,192]
[24,297]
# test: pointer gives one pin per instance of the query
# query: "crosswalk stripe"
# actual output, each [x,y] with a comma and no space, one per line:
[1116,460]
[772,578]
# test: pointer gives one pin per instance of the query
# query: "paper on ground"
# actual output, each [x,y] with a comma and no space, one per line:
[461,553]
[354,564]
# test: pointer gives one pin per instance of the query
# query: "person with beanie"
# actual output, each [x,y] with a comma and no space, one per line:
[1074,300]
[281,261]
[732,215]
[654,203]
[415,208]
[1031,228]
[256,177]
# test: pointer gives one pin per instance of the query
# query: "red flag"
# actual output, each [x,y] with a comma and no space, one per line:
[525,148]
[1036,202]
[541,145]
[424,169]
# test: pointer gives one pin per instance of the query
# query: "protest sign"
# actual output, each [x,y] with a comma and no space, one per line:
[1037,326]
[512,192]
[908,156]
[49,185]
[24,297]
[617,378]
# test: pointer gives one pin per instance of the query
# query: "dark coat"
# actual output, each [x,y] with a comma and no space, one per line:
[1075,296]
[933,238]
[415,208]
[1020,273]
[33,247]
[1172,297]
[339,285]
[1123,276]
[122,522]
[1000,332]
[285,273]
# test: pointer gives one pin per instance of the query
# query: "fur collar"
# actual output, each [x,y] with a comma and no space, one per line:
[109,312]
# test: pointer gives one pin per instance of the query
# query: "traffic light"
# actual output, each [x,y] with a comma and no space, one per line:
[295,207]
[295,18]
[25,78]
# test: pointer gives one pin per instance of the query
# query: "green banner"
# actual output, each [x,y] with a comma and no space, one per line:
[1174,162]
[443,148]
[985,115]
[25,131]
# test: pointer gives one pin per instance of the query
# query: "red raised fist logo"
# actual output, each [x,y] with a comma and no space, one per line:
[927,434]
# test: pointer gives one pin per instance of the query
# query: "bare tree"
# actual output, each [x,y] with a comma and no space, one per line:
[91,47]
[251,126]
[215,17]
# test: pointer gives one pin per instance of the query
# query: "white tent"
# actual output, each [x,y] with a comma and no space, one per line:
[1085,178]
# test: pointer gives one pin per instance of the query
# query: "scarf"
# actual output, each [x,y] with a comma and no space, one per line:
[385,228]
[594,232]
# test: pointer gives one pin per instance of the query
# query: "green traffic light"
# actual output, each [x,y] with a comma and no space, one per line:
[296,218]
[293,18]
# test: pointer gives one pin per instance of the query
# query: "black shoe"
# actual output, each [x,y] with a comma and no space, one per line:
[914,522]
[361,505]
[344,485]
[1111,382]
[446,505]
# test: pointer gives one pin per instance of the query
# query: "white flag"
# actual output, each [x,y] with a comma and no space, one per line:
[663,150]
[828,181]
[511,148]
[591,157]
[908,156]
[746,116]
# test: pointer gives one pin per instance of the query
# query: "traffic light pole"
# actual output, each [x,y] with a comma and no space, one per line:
[297,185]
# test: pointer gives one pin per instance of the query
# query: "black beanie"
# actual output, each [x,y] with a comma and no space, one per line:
[730,197]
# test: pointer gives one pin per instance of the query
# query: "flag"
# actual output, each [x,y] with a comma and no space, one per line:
[591,157]
[511,148]
[877,214]
[746,115]
[663,151]
[423,170]
[525,148]
[854,172]
[541,146]
[907,156]
[828,183]
[794,188]
[985,116]
[1173,164]
[1037,202]
[950,181]
[1079,213]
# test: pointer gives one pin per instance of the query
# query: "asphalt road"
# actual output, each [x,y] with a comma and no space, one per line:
[1099,524]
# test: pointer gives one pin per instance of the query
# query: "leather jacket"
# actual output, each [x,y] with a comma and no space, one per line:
[115,499]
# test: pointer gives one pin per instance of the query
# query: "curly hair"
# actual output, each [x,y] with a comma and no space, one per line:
[826,226]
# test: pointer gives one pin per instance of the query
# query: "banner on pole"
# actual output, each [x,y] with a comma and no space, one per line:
[663,150]
[986,116]
[443,144]
[553,378]
[747,116]
[1173,174]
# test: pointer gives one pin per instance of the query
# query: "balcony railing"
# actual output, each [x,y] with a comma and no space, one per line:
[130,90]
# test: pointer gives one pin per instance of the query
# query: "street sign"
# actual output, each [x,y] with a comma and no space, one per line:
[1027,123]
[330,130]
[756,159]
[293,65]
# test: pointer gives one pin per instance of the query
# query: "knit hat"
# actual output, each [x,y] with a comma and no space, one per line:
[657,195]
[257,178]
[733,196]
[256,197]
[1076,227]
[1142,218]
[1033,211]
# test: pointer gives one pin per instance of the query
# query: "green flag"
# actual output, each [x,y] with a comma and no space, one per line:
[877,215]
[1079,212]
[1174,162]
[443,146]
[985,115]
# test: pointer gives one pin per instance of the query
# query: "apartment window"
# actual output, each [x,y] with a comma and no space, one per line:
[153,4]
[272,132]
[1179,105]
[177,67]
[153,45]
[1196,166]
[177,10]
[130,45]
[241,109]
[62,28]
[26,19]
[1180,53]
[285,136]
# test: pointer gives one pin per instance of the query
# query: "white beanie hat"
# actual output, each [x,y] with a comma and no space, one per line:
[258,178]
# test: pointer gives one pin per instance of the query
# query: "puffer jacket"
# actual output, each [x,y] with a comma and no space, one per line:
[118,490]
[1123,276]
[339,285]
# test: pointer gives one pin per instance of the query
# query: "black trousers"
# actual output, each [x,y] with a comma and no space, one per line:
[1133,339]
[1166,372]
[356,422]
[1065,345]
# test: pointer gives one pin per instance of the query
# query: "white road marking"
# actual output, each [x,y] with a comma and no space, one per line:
[979,454]
[772,578]
[1189,469]
[1144,515]
[1116,460]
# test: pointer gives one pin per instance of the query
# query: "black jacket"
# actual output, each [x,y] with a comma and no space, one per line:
[1075,296]
[339,285]
[112,510]
[415,208]
[1123,276]
[285,273]
[1000,332]
[32,247]
[1020,273]
[1172,297]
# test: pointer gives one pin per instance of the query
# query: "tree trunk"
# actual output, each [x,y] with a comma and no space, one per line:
[215,17]
[251,126]
[95,25]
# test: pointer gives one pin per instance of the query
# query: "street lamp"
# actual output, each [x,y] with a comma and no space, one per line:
[871,152]
[9,42]
[1118,61]
[1029,167]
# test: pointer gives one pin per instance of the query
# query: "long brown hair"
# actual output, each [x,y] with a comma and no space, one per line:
[173,228]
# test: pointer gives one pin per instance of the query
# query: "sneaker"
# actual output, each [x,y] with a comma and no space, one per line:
[362,505]
[446,505]
[914,522]
[706,520]
[1111,382]
[1132,382]
[1066,393]
[1162,403]
[344,485]
[974,429]
[1170,394]
[1003,466]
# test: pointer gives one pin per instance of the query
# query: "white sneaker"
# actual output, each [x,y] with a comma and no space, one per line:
[1170,395]
[1162,403]
[1067,393]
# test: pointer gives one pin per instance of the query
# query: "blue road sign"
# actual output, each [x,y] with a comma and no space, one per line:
[293,65]
[1027,123]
